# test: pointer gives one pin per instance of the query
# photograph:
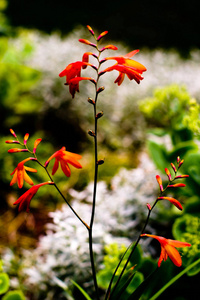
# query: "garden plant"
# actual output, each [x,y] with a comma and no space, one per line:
[124,273]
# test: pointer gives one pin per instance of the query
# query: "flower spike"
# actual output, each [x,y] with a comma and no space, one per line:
[168,249]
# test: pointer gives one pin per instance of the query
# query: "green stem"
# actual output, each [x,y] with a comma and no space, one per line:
[174,279]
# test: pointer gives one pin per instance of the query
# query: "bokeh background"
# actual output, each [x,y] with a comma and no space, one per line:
[144,128]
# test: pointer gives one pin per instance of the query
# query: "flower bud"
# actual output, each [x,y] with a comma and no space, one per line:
[26,138]
[15,150]
[177,185]
[99,115]
[173,167]
[101,89]
[12,142]
[36,143]
[90,29]
[159,180]
[101,35]
[91,101]
[148,206]
[91,133]
[168,174]
[100,162]
[13,133]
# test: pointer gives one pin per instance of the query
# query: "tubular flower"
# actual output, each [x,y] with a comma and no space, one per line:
[74,84]
[25,199]
[125,65]
[64,158]
[73,70]
[168,249]
[20,173]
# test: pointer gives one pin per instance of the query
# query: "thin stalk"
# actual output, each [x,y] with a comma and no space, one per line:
[85,224]
[90,229]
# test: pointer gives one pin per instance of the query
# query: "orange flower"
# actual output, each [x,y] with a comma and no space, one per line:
[73,70]
[159,180]
[125,65]
[64,158]
[74,84]
[168,249]
[20,173]
[25,199]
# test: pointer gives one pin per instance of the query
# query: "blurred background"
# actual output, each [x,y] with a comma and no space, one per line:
[144,128]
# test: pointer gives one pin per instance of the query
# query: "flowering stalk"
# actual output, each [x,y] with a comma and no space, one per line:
[175,202]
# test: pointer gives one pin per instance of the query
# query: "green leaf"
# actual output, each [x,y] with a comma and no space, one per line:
[142,287]
[14,295]
[81,290]
[174,279]
[123,284]
[158,154]
[4,283]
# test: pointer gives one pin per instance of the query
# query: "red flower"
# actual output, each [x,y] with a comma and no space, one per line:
[73,70]
[64,158]
[25,199]
[73,74]
[20,173]
[74,84]
[125,65]
[168,249]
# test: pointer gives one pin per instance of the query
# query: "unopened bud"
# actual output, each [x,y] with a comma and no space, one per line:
[91,133]
[148,206]
[100,162]
[101,89]
[99,115]
[91,101]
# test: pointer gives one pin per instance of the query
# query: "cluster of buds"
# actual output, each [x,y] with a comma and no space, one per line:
[168,246]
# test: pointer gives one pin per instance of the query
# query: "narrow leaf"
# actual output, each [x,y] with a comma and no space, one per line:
[81,290]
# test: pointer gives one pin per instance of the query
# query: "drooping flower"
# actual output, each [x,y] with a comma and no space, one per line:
[20,175]
[74,84]
[125,65]
[64,158]
[73,70]
[168,249]
[25,199]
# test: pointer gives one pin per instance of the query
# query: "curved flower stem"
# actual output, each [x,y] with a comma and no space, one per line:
[59,191]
